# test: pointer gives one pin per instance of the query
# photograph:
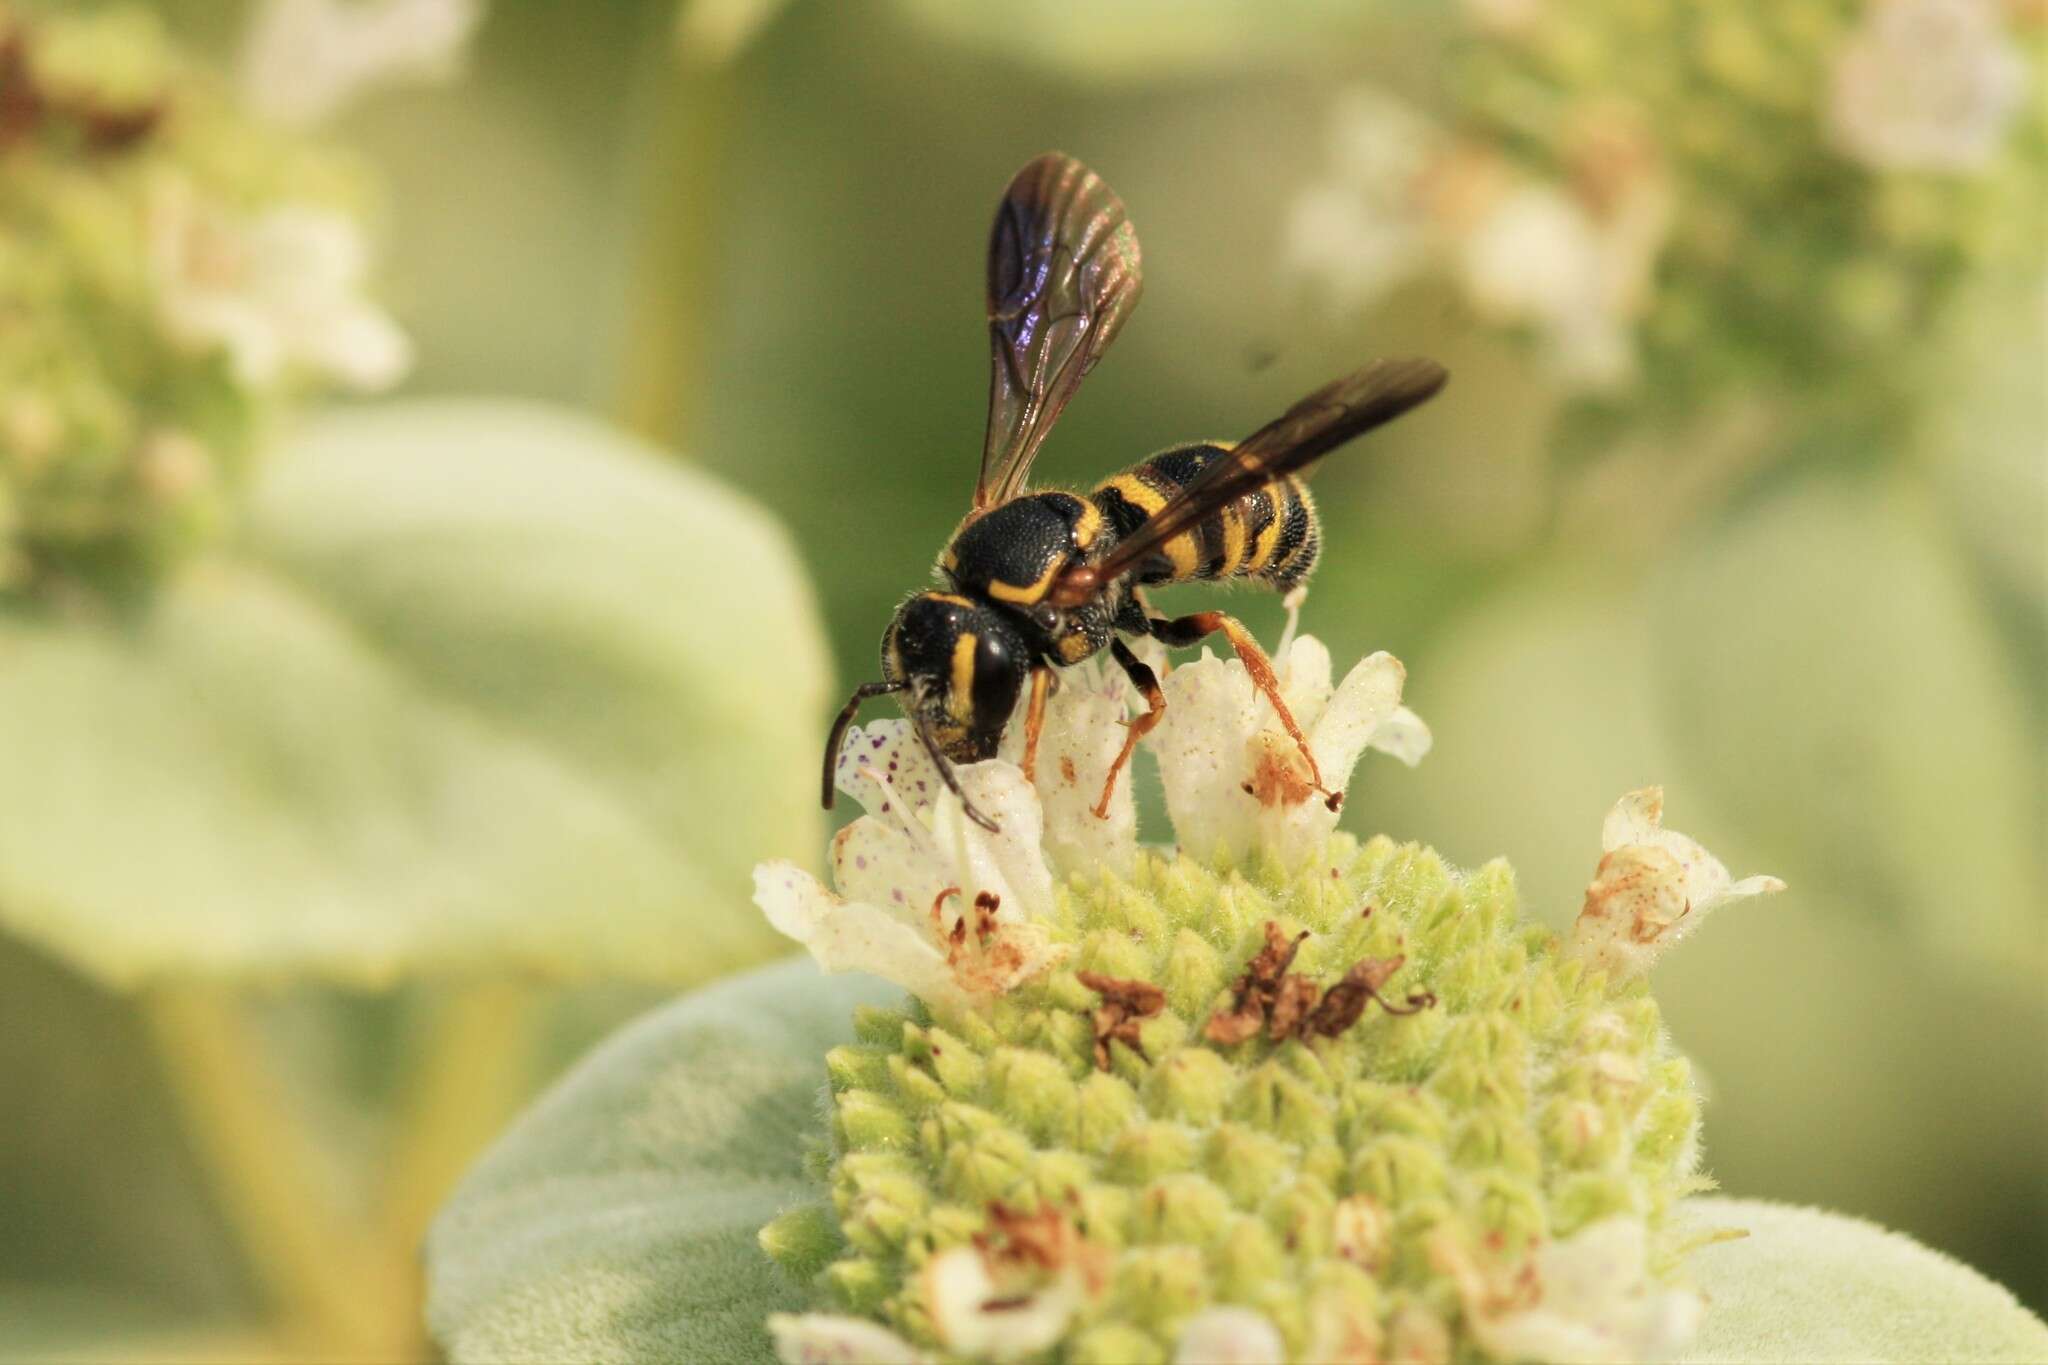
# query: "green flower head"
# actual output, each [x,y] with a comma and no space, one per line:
[1272,1094]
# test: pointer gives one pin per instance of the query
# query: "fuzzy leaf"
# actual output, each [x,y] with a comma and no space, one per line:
[1808,1285]
[616,1221]
[489,687]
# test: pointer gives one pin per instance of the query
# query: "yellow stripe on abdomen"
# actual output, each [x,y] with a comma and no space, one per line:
[1234,539]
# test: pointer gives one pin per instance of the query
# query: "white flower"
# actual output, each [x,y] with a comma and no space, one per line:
[1543,259]
[1587,1300]
[834,1339]
[278,292]
[1362,232]
[981,1320]
[1235,779]
[1229,1336]
[929,899]
[305,59]
[1083,732]
[1926,85]
[1652,888]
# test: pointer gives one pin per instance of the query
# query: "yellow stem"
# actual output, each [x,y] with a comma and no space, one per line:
[475,1067]
[312,1259]
[672,283]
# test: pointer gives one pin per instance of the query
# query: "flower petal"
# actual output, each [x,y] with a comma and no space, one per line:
[1403,735]
[888,750]
[834,1339]
[1652,888]
[1634,819]
[1083,732]
[1229,1336]
[1010,864]
[1596,1303]
[1367,698]
[973,1320]
[875,862]
[1201,746]
[848,936]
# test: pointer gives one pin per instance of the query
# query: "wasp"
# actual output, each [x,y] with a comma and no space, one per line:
[1033,582]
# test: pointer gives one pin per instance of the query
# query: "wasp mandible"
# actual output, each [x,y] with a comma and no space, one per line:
[1037,581]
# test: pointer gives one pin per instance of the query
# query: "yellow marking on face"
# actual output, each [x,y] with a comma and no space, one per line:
[1073,648]
[1029,593]
[960,701]
[1089,526]
[1233,539]
[1138,493]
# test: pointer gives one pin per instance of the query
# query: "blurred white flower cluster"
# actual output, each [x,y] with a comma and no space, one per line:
[1670,204]
[180,268]
[1570,262]
[306,60]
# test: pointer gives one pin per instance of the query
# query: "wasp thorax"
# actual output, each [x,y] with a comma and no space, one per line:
[1013,552]
[963,665]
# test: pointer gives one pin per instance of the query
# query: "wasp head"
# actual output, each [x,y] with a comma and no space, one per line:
[961,667]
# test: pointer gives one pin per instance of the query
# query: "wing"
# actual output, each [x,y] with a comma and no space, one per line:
[1335,413]
[1063,274]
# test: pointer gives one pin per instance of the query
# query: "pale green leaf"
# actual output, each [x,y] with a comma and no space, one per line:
[1150,40]
[490,687]
[616,1221]
[1830,675]
[1807,1285]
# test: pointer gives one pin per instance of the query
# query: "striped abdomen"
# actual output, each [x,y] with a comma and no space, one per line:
[1269,536]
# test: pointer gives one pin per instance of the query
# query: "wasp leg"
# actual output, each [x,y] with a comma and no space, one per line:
[946,775]
[1137,727]
[838,736]
[1187,630]
[1034,719]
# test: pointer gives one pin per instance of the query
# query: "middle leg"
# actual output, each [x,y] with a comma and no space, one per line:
[1182,631]
[1137,727]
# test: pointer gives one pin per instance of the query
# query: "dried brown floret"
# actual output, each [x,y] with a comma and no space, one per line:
[1293,1004]
[1287,1005]
[1346,1001]
[1124,1003]
[1253,995]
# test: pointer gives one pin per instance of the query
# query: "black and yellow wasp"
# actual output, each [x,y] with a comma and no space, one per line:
[1038,581]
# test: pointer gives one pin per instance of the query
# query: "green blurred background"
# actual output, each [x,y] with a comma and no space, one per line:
[1828,647]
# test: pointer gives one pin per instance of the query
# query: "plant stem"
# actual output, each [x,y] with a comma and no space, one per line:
[475,1063]
[311,1258]
[672,285]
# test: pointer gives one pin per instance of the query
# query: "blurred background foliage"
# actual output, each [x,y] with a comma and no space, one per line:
[320,855]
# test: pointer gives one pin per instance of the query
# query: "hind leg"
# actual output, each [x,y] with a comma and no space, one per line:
[1182,631]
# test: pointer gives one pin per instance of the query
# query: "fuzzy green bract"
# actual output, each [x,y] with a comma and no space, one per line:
[1321,1182]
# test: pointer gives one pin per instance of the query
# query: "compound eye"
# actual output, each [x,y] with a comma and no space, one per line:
[995,680]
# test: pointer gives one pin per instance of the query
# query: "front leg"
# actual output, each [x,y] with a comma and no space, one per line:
[1187,630]
[1136,728]
[1034,718]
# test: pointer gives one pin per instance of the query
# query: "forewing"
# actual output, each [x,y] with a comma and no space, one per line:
[1337,412]
[1063,274]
